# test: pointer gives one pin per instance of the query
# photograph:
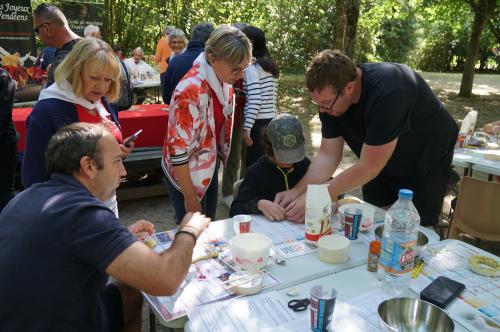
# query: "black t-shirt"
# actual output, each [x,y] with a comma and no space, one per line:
[396,102]
[57,241]
[59,56]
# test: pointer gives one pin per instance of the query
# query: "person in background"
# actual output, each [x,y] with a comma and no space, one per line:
[125,101]
[238,150]
[45,58]
[401,132]
[162,53]
[280,169]
[61,243]
[139,71]
[42,65]
[177,42]
[261,89]
[50,24]
[492,128]
[180,64]
[92,31]
[199,125]
[87,79]
[8,139]
[119,51]
[137,68]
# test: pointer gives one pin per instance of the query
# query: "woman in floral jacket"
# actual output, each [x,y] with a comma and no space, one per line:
[199,126]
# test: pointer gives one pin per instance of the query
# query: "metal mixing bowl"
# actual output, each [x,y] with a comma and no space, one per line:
[412,315]
[422,239]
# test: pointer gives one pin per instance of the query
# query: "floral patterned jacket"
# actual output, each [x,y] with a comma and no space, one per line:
[191,131]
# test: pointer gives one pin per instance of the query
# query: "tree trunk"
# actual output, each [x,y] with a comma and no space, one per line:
[346,22]
[352,24]
[340,25]
[482,13]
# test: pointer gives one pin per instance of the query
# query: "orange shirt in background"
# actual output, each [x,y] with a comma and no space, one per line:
[163,51]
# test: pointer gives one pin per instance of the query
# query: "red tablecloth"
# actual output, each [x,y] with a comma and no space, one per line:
[152,119]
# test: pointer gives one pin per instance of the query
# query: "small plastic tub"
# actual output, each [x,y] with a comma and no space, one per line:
[250,250]
[333,249]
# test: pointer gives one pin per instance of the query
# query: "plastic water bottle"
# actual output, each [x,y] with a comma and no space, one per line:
[399,243]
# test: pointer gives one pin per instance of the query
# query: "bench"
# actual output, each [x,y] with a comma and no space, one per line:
[143,159]
[143,174]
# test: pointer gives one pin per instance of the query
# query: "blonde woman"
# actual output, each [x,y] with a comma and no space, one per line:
[199,125]
[87,79]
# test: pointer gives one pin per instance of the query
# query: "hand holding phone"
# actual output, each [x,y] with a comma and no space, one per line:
[132,138]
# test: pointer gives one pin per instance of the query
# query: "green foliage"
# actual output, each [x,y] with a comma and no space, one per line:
[426,34]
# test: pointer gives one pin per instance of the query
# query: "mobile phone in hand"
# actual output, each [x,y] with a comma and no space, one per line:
[132,138]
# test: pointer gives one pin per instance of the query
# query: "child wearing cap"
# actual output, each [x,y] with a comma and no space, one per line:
[280,169]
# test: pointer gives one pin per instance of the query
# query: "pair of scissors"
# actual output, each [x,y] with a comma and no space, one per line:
[298,304]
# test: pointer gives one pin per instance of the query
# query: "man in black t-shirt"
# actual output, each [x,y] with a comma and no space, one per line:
[391,119]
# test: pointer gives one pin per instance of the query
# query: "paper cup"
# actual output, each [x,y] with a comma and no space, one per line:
[242,223]
[322,305]
[352,222]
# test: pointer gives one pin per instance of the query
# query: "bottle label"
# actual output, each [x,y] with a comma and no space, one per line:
[398,257]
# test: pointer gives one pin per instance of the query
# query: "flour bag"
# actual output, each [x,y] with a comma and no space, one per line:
[318,210]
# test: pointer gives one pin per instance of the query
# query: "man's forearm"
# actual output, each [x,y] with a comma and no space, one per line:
[177,259]
[371,162]
[353,177]
[320,170]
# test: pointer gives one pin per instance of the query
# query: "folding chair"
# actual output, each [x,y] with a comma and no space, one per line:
[478,210]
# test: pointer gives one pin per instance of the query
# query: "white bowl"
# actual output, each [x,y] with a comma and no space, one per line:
[367,218]
[250,251]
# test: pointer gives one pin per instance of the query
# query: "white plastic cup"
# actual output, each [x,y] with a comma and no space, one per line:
[242,223]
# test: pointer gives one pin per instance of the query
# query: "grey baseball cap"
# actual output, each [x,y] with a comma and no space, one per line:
[287,138]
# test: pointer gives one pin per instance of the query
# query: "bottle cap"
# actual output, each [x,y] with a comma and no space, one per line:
[405,193]
[375,247]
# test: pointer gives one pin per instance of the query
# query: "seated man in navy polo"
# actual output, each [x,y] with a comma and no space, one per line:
[60,242]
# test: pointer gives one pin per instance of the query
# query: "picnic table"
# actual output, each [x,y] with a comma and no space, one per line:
[476,160]
[297,270]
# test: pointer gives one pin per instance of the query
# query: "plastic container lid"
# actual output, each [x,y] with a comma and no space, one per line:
[252,286]
[333,249]
[405,193]
[375,247]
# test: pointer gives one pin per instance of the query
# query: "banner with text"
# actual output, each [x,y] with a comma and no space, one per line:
[80,15]
[17,42]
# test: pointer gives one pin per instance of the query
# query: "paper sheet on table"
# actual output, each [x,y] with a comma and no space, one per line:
[356,315]
[478,307]
[264,312]
[204,280]
[288,237]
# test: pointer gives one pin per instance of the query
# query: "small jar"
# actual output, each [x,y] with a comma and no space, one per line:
[373,255]
[461,139]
